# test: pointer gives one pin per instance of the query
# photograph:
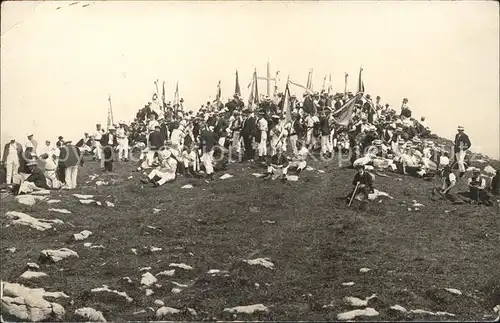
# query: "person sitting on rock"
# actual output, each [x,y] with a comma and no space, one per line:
[277,165]
[165,172]
[36,180]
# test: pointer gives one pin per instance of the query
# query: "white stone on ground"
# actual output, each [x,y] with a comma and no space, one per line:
[20,218]
[249,309]
[165,310]
[105,288]
[12,249]
[127,279]
[260,261]
[192,311]
[453,291]
[98,247]
[53,201]
[257,174]
[182,266]
[87,244]
[145,268]
[179,285]
[364,270]
[376,193]
[269,222]
[64,211]
[109,204]
[90,314]
[309,168]
[28,304]
[134,251]
[354,301]
[159,302]
[418,311]
[82,235]
[176,290]
[139,312]
[100,183]
[29,200]
[353,314]
[32,265]
[225,176]
[154,249]
[158,210]
[348,284]
[57,255]
[28,274]
[187,186]
[83,197]
[292,178]
[399,308]
[86,202]
[148,279]
[166,273]
[149,292]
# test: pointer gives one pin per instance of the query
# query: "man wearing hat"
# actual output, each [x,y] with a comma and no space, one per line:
[165,172]
[109,142]
[235,129]
[35,181]
[277,165]
[248,129]
[12,156]
[69,159]
[462,144]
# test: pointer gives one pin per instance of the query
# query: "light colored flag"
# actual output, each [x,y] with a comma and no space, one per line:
[286,110]
[218,95]
[301,86]
[309,84]
[344,115]
[176,95]
[330,87]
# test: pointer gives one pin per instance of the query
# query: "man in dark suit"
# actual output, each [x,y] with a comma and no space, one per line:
[109,142]
[156,141]
[70,157]
[247,133]
[462,144]
[207,143]
[12,157]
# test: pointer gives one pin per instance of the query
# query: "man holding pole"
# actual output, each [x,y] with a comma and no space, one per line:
[363,184]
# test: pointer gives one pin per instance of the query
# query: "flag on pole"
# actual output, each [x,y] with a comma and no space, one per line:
[253,97]
[163,94]
[309,80]
[330,87]
[110,113]
[237,89]
[361,85]
[301,86]
[345,85]
[276,80]
[176,96]
[286,109]
[218,95]
[323,87]
[344,115]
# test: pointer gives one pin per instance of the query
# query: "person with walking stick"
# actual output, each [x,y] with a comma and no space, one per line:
[363,185]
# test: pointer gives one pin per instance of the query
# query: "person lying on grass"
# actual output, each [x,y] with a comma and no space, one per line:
[165,172]
[363,184]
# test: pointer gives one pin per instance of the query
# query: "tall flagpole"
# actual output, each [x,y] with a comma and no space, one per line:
[110,113]
[345,85]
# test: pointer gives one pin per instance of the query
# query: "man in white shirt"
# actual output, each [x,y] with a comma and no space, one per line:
[97,143]
[11,158]
[190,161]
[152,123]
[477,186]
[122,138]
[166,172]
[262,126]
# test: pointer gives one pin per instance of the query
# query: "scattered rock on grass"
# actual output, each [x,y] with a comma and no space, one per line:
[182,266]
[90,314]
[165,310]
[20,218]
[32,274]
[260,261]
[105,288]
[354,301]
[64,211]
[453,291]
[353,314]
[249,309]
[57,255]
[82,235]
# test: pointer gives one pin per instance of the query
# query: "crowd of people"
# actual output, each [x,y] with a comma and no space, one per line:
[170,141]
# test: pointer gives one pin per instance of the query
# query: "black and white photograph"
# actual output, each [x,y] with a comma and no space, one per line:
[250,161]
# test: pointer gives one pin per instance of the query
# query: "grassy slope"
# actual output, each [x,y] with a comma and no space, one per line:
[316,244]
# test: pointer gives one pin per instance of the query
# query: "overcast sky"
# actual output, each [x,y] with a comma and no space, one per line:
[58,66]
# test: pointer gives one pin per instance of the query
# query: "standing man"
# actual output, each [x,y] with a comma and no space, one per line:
[109,142]
[156,142]
[462,144]
[235,128]
[69,157]
[97,143]
[247,132]
[262,125]
[207,142]
[122,138]
[12,155]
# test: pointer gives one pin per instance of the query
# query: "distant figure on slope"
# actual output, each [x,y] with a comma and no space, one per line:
[462,144]
[449,180]
[477,188]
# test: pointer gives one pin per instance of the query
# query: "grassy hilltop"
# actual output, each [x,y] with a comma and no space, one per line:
[316,243]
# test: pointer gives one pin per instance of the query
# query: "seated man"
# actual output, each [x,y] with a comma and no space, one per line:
[363,184]
[300,159]
[49,167]
[165,172]
[477,188]
[449,180]
[34,182]
[277,165]
[190,161]
[495,184]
